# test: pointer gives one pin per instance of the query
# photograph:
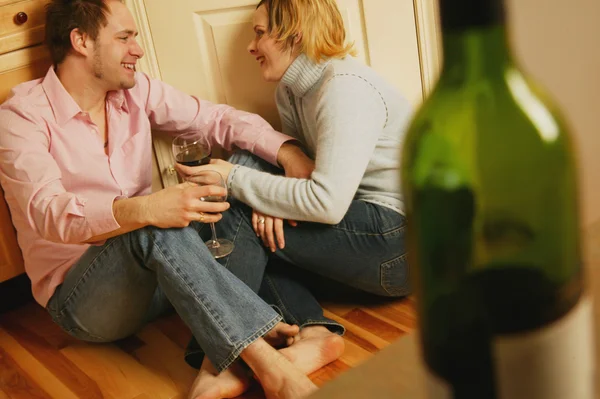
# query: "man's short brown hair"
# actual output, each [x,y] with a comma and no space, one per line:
[62,16]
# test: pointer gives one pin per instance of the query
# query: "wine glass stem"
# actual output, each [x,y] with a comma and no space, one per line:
[215,243]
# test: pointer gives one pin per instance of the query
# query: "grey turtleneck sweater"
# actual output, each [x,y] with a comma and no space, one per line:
[352,123]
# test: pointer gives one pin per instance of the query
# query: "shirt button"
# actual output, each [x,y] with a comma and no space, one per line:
[125,192]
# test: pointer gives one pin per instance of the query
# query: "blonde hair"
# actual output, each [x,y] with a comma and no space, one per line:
[318,21]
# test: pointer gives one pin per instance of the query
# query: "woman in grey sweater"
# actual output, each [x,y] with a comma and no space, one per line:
[352,123]
[350,207]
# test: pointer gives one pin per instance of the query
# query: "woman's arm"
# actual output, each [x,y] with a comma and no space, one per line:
[349,119]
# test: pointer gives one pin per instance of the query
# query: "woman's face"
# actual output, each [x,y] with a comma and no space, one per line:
[268,53]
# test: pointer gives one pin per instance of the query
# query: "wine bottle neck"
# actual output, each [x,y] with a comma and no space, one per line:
[474,37]
[476,52]
[458,15]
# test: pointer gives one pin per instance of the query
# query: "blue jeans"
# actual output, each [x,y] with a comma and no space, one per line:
[114,289]
[284,293]
[366,250]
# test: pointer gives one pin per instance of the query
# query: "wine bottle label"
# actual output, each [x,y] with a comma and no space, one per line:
[554,362]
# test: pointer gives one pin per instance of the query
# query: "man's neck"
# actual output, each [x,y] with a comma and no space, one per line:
[82,86]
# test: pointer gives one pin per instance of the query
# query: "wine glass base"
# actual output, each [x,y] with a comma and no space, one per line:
[220,248]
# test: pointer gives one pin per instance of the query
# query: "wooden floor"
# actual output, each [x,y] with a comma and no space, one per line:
[38,360]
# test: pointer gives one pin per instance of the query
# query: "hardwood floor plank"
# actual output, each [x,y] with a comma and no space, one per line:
[118,374]
[41,375]
[375,325]
[354,333]
[52,359]
[39,360]
[402,314]
[15,382]
[35,318]
[165,358]
[340,310]
[175,329]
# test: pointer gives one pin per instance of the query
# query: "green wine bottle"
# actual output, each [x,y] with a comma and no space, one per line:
[489,178]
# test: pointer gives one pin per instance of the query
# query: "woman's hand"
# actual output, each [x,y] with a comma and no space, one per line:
[218,165]
[269,229]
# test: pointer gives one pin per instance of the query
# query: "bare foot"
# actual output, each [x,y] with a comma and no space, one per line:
[211,385]
[281,335]
[278,377]
[314,348]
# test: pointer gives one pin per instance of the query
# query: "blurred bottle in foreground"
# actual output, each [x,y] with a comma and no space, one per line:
[490,181]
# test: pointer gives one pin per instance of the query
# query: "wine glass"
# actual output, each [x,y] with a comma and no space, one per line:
[191,149]
[218,247]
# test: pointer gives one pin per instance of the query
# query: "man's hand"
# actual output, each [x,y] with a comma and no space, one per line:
[218,165]
[177,206]
[174,206]
[294,161]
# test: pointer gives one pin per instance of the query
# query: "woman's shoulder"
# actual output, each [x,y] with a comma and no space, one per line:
[356,72]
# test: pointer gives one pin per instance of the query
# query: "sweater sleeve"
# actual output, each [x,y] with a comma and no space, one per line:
[350,115]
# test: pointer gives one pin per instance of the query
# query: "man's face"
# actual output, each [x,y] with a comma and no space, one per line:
[116,51]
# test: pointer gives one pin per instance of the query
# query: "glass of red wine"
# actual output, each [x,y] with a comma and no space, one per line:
[193,150]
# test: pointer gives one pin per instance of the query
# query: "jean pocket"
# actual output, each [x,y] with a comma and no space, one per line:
[395,276]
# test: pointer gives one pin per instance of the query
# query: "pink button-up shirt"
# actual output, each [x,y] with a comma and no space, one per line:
[60,184]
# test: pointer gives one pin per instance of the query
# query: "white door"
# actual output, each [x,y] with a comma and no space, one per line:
[200,48]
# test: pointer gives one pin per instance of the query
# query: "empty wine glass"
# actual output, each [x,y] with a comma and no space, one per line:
[218,247]
[191,149]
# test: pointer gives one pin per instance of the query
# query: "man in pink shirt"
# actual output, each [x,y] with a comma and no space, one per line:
[105,254]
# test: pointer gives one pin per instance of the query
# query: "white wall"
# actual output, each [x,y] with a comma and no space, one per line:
[558,42]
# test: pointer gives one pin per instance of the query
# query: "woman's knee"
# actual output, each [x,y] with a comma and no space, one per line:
[249,160]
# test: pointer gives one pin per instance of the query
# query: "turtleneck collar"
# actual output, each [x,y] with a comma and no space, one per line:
[303,74]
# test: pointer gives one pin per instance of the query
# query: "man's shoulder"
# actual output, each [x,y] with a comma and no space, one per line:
[27,97]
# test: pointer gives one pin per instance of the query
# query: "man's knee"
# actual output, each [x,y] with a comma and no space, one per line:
[249,160]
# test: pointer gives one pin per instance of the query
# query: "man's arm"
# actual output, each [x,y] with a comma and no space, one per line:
[129,214]
[294,161]
[175,206]
[33,180]
[174,111]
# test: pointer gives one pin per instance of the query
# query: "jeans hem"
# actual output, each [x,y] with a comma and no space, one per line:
[239,348]
[332,326]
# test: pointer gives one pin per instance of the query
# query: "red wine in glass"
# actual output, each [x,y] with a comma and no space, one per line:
[193,155]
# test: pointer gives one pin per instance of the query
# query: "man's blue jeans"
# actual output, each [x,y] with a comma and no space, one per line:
[114,289]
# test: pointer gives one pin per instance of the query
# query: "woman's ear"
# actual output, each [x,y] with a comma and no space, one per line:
[297,37]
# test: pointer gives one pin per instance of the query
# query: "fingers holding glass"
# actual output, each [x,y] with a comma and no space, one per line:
[214,191]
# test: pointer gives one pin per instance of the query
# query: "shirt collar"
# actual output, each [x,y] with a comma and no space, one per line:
[61,102]
[117,99]
[64,106]
[303,74]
